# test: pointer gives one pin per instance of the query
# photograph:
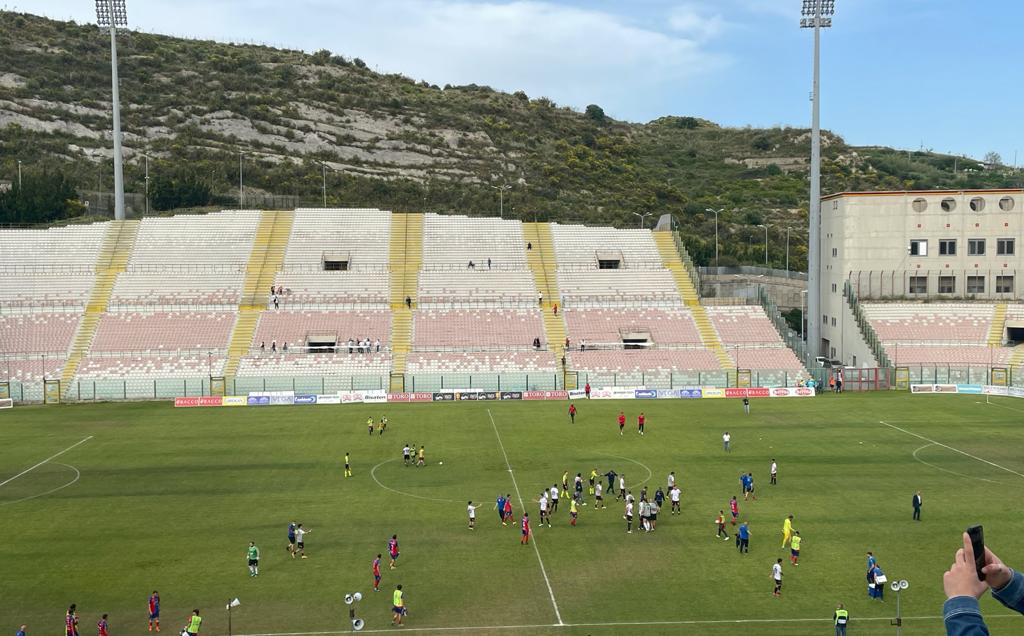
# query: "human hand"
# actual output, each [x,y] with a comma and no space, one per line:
[962,577]
[997,574]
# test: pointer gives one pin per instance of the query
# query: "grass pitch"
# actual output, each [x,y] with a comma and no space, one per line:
[168,499]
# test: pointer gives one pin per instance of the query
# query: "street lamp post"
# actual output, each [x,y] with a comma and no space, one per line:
[815,14]
[146,157]
[324,166]
[643,216]
[787,250]
[111,14]
[765,226]
[239,179]
[19,174]
[803,298]
[716,212]
[501,197]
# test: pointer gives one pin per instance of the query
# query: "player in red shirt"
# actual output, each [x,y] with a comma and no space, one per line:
[393,549]
[376,574]
[586,390]
[71,622]
[101,627]
[526,529]
[622,421]
[572,413]
[640,422]
[734,508]
[154,611]
[508,510]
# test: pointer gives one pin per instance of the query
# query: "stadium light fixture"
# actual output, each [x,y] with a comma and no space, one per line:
[501,197]
[19,174]
[815,14]
[765,226]
[716,213]
[643,217]
[112,14]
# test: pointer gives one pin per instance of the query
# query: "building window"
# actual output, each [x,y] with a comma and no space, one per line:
[947,284]
[947,247]
[977,204]
[975,284]
[918,247]
[824,319]
[833,356]
[918,285]
[833,321]
[835,205]
[976,247]
[948,204]
[854,363]
[1004,284]
[833,288]
[1006,204]
[1004,247]
[919,204]
[835,252]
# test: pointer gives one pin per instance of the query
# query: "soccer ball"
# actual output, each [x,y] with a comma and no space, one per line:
[440,462]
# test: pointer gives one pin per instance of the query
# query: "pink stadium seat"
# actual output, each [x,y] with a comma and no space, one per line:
[313,364]
[505,362]
[644,360]
[151,367]
[775,359]
[666,326]
[137,331]
[32,370]
[743,324]
[952,355]
[477,328]
[26,333]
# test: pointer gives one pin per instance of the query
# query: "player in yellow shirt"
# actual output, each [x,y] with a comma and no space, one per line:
[348,467]
[398,607]
[794,548]
[787,530]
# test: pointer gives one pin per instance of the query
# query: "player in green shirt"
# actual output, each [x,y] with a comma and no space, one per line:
[398,607]
[348,468]
[194,622]
[794,548]
[254,559]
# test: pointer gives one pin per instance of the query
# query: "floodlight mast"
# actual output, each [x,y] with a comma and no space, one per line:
[815,14]
[111,14]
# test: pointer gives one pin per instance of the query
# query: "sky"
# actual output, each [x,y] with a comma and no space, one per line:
[942,75]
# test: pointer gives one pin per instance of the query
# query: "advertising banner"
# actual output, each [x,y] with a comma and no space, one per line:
[712,392]
[933,388]
[601,394]
[472,395]
[234,400]
[620,393]
[211,400]
[351,397]
[511,395]
[258,400]
[305,399]
[330,398]
[969,389]
[180,402]
[1015,391]
[669,394]
[645,394]
[689,394]
[990,389]
[735,392]
[399,397]
[545,395]
[375,396]
[798,391]
[577,394]
[443,397]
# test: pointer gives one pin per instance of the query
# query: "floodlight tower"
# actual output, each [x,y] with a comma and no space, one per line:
[111,14]
[815,14]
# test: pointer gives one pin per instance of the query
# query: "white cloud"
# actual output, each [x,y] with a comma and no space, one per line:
[573,55]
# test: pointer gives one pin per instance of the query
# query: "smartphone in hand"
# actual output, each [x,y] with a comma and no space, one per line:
[977,537]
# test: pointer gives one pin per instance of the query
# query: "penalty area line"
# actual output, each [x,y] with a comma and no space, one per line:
[515,484]
[28,470]
[955,450]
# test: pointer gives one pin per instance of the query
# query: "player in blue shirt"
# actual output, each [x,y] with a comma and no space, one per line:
[500,504]
[291,537]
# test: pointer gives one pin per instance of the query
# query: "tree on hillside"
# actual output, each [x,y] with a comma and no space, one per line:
[40,198]
[595,113]
[993,158]
[179,190]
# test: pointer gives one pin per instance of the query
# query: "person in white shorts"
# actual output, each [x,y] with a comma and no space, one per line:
[471,511]
[544,509]
[628,516]
[674,496]
[598,496]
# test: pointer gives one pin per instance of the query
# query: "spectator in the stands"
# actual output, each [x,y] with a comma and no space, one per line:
[540,298]
[408,302]
[554,307]
[284,347]
[277,305]
[263,346]
[529,246]
[350,345]
[273,346]
[536,343]
[567,342]
[367,345]
[488,262]
[583,345]
[376,345]
[471,265]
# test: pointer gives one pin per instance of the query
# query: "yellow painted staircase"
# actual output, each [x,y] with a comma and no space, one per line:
[265,261]
[542,262]
[115,251]
[688,291]
[998,328]
[405,257]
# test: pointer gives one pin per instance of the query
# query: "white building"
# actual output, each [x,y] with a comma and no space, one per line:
[917,245]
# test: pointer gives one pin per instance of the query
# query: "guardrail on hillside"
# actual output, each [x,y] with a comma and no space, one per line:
[870,337]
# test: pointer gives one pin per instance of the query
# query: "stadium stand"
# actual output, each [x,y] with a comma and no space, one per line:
[178,244]
[453,242]
[163,331]
[25,333]
[665,326]
[151,366]
[477,288]
[296,327]
[490,362]
[342,365]
[203,289]
[477,329]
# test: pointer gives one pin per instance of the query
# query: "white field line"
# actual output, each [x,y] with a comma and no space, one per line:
[373,474]
[737,621]
[1002,406]
[522,504]
[946,470]
[28,470]
[955,450]
[78,475]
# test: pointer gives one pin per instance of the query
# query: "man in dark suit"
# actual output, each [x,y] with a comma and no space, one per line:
[917,505]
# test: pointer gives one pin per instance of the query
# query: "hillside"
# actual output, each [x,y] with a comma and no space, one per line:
[391,142]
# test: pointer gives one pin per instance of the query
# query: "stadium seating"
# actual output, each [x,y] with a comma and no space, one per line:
[340,289]
[633,360]
[34,369]
[221,290]
[477,288]
[665,326]
[477,329]
[451,242]
[163,331]
[578,245]
[38,332]
[361,234]
[743,324]
[293,327]
[617,287]
[151,366]
[943,322]
[314,364]
[948,355]
[777,358]
[503,362]
[184,243]
[46,289]
[74,246]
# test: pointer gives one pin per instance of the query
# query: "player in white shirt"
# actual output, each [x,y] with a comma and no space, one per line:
[554,498]
[774,471]
[628,516]
[671,479]
[777,578]
[300,542]
[622,486]
[726,438]
[674,496]
[645,511]
[471,511]
[598,496]
[543,501]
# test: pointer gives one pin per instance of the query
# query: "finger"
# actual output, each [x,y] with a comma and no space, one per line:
[991,558]
[968,548]
[959,557]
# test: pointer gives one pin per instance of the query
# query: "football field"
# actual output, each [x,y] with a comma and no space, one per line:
[102,504]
